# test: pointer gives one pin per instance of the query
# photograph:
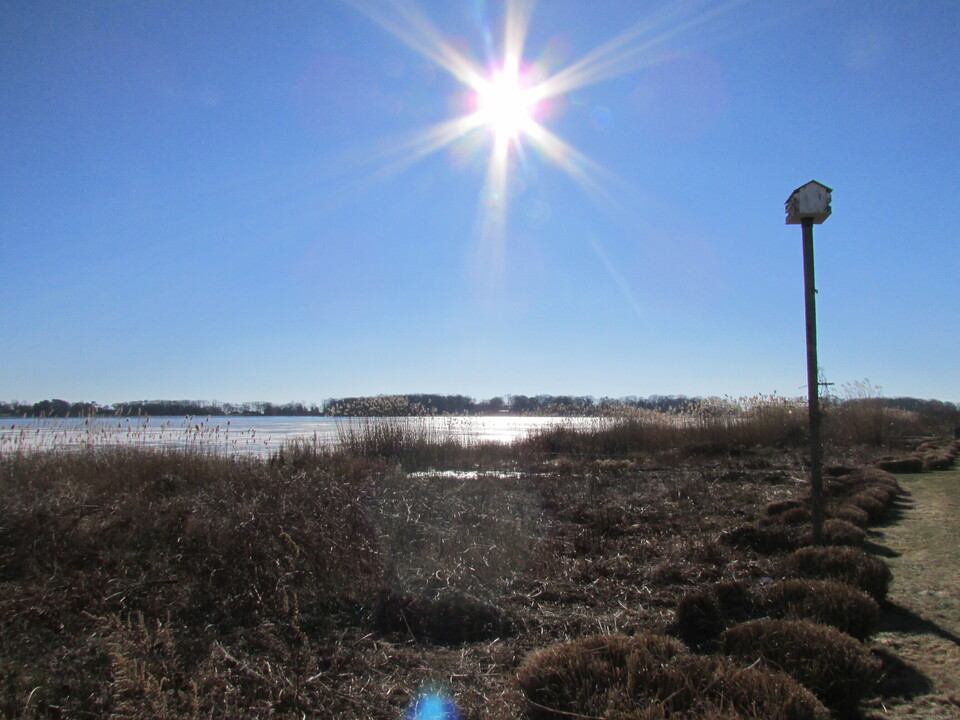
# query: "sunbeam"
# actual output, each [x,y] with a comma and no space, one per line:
[509,97]
[414,29]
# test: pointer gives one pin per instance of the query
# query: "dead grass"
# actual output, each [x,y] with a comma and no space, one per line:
[343,583]
[823,601]
[834,666]
[848,565]
[652,676]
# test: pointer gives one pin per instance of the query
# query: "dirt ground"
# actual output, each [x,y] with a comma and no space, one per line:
[920,629]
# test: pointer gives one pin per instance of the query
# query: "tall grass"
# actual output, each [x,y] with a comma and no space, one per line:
[715,424]
[171,583]
[67,434]
[860,418]
[416,444]
[133,547]
[723,424]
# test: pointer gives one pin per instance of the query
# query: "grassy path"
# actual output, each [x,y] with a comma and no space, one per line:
[921,625]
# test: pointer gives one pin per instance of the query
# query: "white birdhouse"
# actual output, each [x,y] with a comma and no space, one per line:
[809,201]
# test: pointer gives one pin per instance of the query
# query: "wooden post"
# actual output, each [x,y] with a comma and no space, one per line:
[813,383]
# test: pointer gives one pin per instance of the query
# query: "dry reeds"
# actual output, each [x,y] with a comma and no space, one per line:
[139,582]
[415,444]
[167,553]
[711,426]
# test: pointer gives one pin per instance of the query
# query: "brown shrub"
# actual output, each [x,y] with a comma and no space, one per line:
[881,492]
[875,508]
[650,677]
[903,465]
[824,601]
[703,614]
[834,666]
[938,460]
[718,687]
[850,513]
[698,618]
[578,677]
[875,477]
[841,532]
[835,488]
[865,479]
[771,539]
[775,509]
[838,470]
[793,517]
[843,564]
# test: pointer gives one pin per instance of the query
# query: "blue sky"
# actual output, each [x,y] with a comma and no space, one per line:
[221,201]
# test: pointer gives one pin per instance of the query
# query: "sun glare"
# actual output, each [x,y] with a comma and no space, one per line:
[512,102]
[505,105]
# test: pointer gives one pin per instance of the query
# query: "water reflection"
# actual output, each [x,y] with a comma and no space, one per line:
[247,435]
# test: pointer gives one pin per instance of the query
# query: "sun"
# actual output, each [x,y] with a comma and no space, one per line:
[510,95]
[505,105]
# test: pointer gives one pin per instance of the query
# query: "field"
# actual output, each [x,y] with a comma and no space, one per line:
[401,572]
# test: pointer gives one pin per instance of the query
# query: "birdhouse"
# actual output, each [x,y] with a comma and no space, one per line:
[809,201]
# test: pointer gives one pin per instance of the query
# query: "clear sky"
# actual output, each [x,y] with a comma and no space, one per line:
[293,200]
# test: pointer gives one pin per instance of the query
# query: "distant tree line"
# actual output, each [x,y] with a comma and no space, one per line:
[414,404]
[155,408]
[553,405]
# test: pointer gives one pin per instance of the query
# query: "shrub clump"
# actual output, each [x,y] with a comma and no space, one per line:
[848,565]
[873,502]
[834,666]
[718,687]
[799,515]
[578,677]
[845,486]
[938,455]
[703,614]
[842,532]
[774,510]
[651,677]
[849,512]
[878,477]
[904,465]
[769,539]
[824,601]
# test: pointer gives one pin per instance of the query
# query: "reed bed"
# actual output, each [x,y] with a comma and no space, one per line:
[188,433]
[364,578]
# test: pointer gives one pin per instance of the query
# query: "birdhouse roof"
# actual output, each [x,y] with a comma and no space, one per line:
[813,182]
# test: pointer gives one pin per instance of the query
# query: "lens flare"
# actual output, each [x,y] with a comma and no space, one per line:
[433,706]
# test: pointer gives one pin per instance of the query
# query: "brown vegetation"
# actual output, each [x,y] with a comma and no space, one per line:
[849,565]
[653,677]
[834,666]
[824,601]
[348,582]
